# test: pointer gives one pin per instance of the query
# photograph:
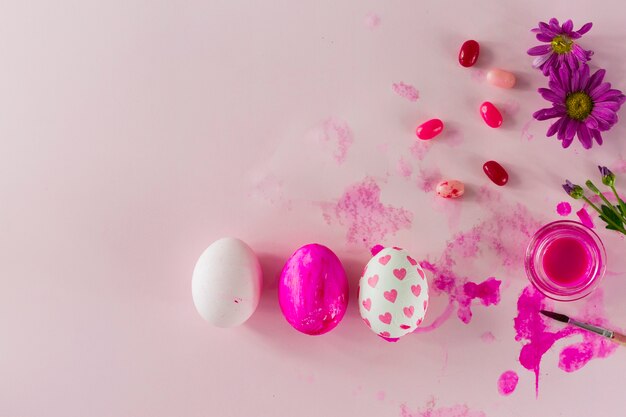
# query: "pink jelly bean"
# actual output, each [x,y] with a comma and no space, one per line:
[501,78]
[450,189]
[429,129]
[468,55]
[496,173]
[491,114]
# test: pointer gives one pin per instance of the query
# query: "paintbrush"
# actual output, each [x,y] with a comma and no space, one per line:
[609,334]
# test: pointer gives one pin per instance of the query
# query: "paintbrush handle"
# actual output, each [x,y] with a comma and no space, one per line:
[619,338]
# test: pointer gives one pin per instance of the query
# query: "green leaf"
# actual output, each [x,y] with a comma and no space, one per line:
[609,214]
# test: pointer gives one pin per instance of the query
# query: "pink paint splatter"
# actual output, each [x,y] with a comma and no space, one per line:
[420,148]
[338,132]
[372,20]
[404,168]
[564,208]
[526,130]
[427,179]
[487,337]
[488,292]
[367,219]
[406,90]
[532,330]
[380,395]
[585,218]
[507,382]
[431,411]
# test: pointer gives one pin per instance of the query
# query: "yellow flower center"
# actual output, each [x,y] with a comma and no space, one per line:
[561,44]
[578,105]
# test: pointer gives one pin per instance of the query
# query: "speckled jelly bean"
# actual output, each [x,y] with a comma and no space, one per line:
[429,129]
[468,55]
[501,78]
[491,115]
[450,189]
[496,173]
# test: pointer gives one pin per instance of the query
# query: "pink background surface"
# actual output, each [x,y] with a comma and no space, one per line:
[135,133]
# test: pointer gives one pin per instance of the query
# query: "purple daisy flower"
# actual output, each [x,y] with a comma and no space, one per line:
[584,105]
[561,48]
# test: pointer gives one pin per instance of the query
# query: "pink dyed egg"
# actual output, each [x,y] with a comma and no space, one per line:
[313,290]
[450,189]
[491,115]
[501,78]
[393,294]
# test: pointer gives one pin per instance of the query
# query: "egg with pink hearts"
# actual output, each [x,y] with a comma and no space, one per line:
[393,294]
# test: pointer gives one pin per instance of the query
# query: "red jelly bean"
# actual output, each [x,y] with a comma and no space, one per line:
[468,55]
[496,173]
[429,129]
[491,114]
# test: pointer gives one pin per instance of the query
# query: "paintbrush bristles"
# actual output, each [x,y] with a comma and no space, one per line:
[556,316]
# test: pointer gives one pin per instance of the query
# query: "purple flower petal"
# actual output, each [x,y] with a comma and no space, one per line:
[568,26]
[539,50]
[584,136]
[591,122]
[542,37]
[585,28]
[611,105]
[597,136]
[571,129]
[550,113]
[595,80]
[541,60]
[599,91]
[554,24]
[551,95]
[605,114]
[554,127]
[564,123]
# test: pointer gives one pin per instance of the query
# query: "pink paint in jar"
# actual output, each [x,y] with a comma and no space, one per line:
[565,260]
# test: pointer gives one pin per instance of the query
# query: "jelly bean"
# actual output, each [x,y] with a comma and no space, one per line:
[491,114]
[501,78]
[429,129]
[450,189]
[469,53]
[496,173]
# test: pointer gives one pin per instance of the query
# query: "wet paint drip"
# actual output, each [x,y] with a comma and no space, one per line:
[532,330]
[367,219]
[430,411]
[563,208]
[406,90]
[585,218]
[337,132]
[507,382]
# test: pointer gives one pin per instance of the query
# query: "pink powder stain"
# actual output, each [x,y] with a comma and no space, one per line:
[367,219]
[420,148]
[487,337]
[478,75]
[451,208]
[338,132]
[459,410]
[507,382]
[585,218]
[404,168]
[453,138]
[531,329]
[526,130]
[406,90]
[619,166]
[564,208]
[428,178]
[372,20]
[380,395]
[448,277]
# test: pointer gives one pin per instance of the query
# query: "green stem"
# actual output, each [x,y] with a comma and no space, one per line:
[621,202]
[606,219]
[611,206]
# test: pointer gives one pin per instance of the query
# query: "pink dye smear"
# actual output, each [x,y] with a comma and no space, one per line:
[431,411]
[420,148]
[406,90]
[487,337]
[526,130]
[564,208]
[449,277]
[428,178]
[404,168]
[507,382]
[338,132]
[532,330]
[585,218]
[367,219]
[372,20]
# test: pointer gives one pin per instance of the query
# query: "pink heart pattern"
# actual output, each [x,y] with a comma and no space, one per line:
[385,318]
[392,293]
[384,260]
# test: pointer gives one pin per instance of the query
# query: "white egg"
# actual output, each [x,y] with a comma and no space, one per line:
[226,283]
[393,294]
